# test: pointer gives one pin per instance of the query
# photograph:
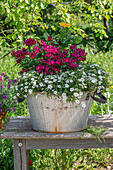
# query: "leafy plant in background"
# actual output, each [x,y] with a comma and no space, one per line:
[7,100]
[6,154]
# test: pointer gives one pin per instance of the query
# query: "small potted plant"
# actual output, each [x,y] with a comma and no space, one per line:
[58,83]
[7,97]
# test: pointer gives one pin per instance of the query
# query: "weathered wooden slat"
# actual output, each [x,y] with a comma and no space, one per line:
[20,127]
[68,143]
[21,155]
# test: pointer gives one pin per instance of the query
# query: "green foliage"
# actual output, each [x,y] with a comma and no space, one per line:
[21,19]
[97,132]
[6,154]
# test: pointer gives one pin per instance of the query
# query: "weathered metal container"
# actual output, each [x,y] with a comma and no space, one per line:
[53,115]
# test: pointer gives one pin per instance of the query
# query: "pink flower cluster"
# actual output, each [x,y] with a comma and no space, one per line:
[49,59]
[30,42]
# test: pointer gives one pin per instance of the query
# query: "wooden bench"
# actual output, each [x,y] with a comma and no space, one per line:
[25,138]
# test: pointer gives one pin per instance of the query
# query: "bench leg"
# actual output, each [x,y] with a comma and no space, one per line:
[21,155]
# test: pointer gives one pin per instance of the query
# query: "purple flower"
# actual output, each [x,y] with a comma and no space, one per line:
[5,96]
[3,73]
[0,103]
[9,86]
[0,110]
[5,76]
[15,102]
[9,110]
[14,109]
[2,86]
[15,81]
[9,81]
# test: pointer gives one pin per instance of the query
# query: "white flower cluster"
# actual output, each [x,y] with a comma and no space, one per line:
[70,86]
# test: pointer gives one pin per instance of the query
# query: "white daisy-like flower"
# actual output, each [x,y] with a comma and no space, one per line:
[63,94]
[32,72]
[18,94]
[52,77]
[54,80]
[99,82]
[81,93]
[94,80]
[71,89]
[21,88]
[72,73]
[25,90]
[34,83]
[77,101]
[81,80]
[26,83]
[32,79]
[49,82]
[30,91]
[71,81]
[76,94]
[79,97]
[20,85]
[41,84]
[25,96]
[26,87]
[67,81]
[55,92]
[41,74]
[64,98]
[99,87]
[59,80]
[46,81]
[93,75]
[14,97]
[84,73]
[59,86]
[99,71]
[83,104]
[100,77]
[33,87]
[24,77]
[50,86]
[66,85]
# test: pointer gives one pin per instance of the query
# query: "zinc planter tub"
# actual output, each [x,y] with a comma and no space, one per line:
[53,115]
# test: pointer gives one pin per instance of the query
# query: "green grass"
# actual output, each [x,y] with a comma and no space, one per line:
[84,159]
